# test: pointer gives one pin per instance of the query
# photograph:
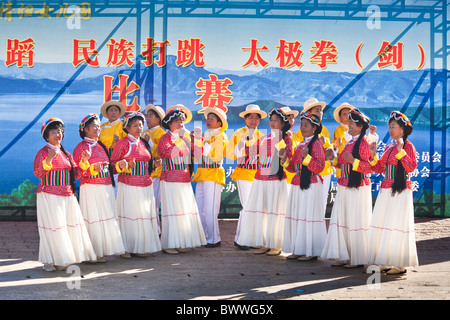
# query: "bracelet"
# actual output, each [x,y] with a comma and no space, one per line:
[46,166]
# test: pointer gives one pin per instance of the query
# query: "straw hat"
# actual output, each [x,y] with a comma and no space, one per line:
[253,108]
[289,111]
[159,111]
[182,108]
[48,122]
[312,103]
[338,109]
[221,114]
[107,104]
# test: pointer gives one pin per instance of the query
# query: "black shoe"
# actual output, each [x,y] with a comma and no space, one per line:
[241,247]
[212,245]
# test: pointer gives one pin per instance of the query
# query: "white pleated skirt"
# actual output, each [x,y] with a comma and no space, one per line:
[63,237]
[262,221]
[349,225]
[305,230]
[392,240]
[181,226]
[98,206]
[137,218]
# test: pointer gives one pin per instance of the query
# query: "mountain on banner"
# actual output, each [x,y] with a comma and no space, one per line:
[375,89]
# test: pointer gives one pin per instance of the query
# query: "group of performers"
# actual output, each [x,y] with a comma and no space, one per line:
[127,175]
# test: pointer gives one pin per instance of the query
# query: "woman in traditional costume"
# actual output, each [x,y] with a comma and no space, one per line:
[263,217]
[136,209]
[180,219]
[349,223]
[392,243]
[97,200]
[112,130]
[64,239]
[242,148]
[210,174]
[304,227]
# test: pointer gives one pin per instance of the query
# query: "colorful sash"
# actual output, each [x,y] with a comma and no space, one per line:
[177,163]
[56,178]
[390,171]
[209,164]
[104,172]
[346,169]
[265,161]
[248,163]
[141,169]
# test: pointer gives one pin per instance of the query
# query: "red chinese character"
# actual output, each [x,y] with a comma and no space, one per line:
[289,54]
[123,89]
[214,93]
[120,52]
[324,52]
[85,49]
[255,57]
[190,51]
[148,54]
[19,52]
[390,55]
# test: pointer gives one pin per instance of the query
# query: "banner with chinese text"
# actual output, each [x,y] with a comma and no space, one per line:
[65,60]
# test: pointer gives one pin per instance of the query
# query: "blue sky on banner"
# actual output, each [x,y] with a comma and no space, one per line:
[225,38]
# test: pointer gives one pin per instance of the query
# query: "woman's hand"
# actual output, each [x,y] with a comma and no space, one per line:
[85,156]
[131,164]
[122,164]
[282,154]
[305,152]
[51,154]
[373,149]
[348,157]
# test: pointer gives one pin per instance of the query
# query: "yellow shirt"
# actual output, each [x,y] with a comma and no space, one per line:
[210,162]
[155,135]
[326,134]
[108,132]
[241,135]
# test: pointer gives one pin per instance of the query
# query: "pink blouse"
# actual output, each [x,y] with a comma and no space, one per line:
[315,165]
[130,148]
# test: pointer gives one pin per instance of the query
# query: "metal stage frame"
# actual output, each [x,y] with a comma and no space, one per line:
[433,12]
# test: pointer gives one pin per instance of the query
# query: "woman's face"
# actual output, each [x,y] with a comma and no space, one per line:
[252,120]
[177,123]
[213,122]
[135,127]
[353,128]
[343,116]
[395,130]
[55,136]
[275,122]
[93,130]
[307,128]
[113,113]
[152,119]
[317,111]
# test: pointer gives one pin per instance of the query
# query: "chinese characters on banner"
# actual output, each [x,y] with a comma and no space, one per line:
[189,52]
[45,12]
[212,92]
